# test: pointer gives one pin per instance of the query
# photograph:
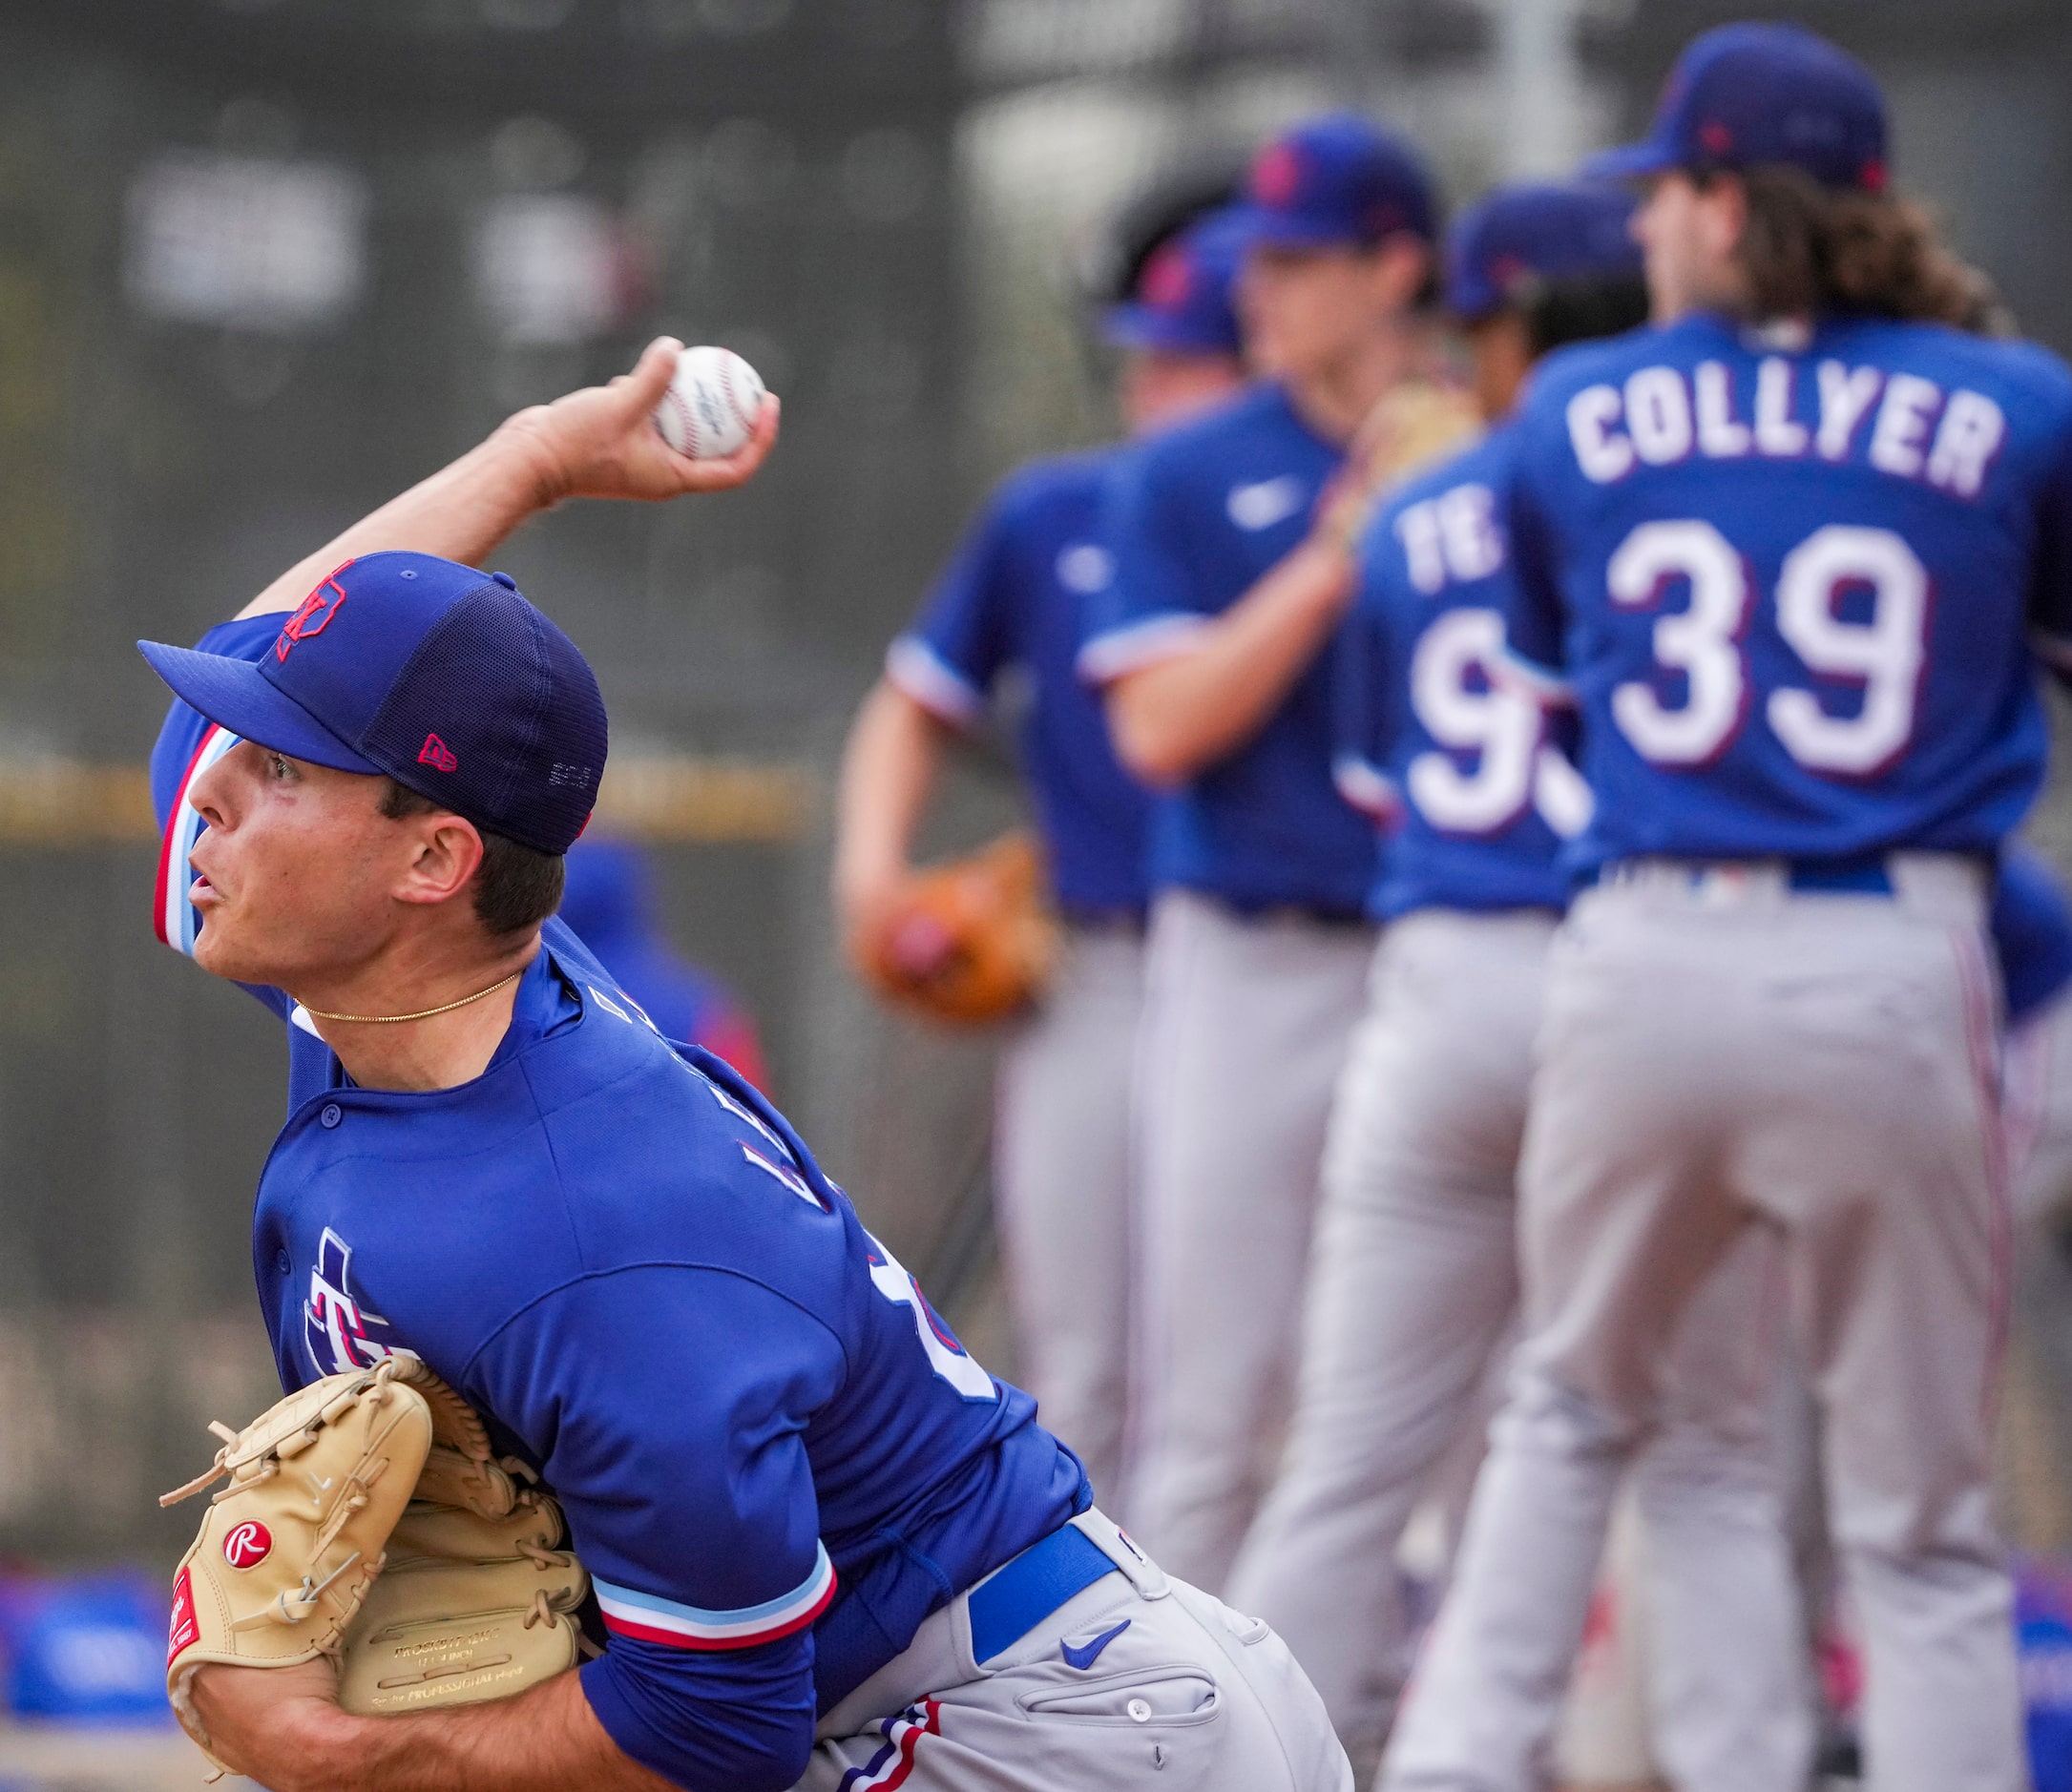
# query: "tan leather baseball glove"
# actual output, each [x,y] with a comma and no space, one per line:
[1413,425]
[972,942]
[366,1519]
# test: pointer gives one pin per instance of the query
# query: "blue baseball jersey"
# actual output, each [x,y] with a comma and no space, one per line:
[608,900]
[774,1457]
[1791,585]
[2031,921]
[1011,601]
[1451,757]
[1196,517]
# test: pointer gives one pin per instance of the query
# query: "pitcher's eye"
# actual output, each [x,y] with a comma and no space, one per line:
[278,766]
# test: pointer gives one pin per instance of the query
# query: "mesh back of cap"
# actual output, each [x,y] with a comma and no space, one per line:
[497,718]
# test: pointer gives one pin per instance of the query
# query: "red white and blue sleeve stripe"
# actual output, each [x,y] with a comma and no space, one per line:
[1541,681]
[654,1619]
[1366,787]
[172,915]
[1118,651]
[918,672]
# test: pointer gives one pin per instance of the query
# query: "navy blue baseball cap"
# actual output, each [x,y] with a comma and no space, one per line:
[1337,182]
[443,677]
[1181,302]
[1745,96]
[1521,236]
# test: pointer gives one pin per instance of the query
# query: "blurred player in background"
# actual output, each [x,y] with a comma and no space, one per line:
[1415,1279]
[1230,578]
[1785,551]
[1010,603]
[2031,926]
[608,899]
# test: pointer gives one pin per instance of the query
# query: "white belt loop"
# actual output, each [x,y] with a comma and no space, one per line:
[1111,1541]
[1729,883]
[1943,886]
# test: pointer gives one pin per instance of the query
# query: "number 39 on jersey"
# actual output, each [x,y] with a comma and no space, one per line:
[1881,652]
[1789,578]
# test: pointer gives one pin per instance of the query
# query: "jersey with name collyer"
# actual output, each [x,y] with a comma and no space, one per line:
[1790,584]
[1434,741]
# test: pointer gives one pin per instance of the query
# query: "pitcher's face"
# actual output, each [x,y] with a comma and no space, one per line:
[296,875]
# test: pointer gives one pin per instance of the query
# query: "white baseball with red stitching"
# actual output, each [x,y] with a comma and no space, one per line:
[711,406]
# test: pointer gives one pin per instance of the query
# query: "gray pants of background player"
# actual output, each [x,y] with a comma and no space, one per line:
[1719,1051]
[2037,1103]
[1245,1025]
[1061,1156]
[1413,1286]
[1188,1698]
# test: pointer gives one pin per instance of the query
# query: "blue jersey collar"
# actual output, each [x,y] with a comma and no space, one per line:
[546,1002]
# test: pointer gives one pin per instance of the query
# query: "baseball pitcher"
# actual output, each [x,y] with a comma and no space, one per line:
[826,1547]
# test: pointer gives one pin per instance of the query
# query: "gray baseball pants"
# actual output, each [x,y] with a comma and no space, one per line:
[1413,1286]
[1246,1020]
[1184,1696]
[1720,1051]
[1061,1191]
[2037,1100]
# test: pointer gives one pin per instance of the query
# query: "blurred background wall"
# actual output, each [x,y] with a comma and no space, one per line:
[263,261]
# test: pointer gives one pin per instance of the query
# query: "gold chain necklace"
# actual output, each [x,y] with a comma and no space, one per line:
[423,1013]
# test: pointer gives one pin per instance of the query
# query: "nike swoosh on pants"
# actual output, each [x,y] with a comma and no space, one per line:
[1084,1657]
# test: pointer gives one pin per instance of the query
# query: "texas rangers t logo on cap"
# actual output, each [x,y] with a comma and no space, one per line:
[403,636]
[312,616]
[1169,279]
[1277,175]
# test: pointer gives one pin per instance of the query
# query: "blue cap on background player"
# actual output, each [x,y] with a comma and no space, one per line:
[1743,96]
[442,677]
[1337,182]
[1182,303]
[1516,237]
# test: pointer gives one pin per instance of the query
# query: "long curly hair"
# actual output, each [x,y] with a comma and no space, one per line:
[1808,250]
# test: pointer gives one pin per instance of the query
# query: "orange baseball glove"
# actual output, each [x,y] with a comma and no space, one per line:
[971,943]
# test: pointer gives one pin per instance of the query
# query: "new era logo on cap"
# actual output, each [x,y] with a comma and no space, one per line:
[441,676]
